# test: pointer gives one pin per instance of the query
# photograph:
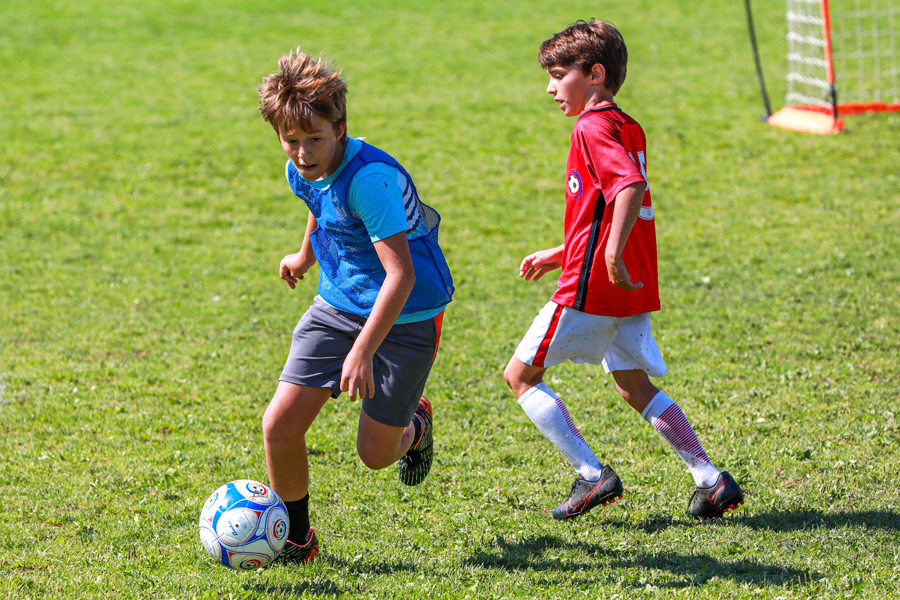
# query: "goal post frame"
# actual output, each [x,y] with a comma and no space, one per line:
[824,116]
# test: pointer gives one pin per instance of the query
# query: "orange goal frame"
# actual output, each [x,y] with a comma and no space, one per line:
[822,119]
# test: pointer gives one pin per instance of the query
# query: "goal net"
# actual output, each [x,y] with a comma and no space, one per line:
[843,58]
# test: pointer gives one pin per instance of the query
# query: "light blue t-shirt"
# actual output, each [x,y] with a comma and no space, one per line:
[377,196]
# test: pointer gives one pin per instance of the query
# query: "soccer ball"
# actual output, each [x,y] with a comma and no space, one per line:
[244,525]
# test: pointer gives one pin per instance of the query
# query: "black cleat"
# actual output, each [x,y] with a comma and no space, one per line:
[585,494]
[297,554]
[714,501]
[416,463]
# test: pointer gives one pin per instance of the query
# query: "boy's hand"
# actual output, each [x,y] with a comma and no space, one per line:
[356,376]
[618,274]
[293,267]
[535,265]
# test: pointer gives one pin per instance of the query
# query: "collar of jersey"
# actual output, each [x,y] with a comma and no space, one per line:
[612,106]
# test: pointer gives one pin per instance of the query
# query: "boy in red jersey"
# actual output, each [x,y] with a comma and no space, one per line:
[608,287]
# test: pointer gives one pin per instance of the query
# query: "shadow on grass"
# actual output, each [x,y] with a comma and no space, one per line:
[799,520]
[784,520]
[306,588]
[696,569]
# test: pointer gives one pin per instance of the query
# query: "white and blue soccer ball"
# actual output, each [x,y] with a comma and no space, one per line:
[244,525]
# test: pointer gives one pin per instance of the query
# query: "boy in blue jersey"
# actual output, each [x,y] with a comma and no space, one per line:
[374,326]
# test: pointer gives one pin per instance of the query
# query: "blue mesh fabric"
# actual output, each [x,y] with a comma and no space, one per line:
[350,273]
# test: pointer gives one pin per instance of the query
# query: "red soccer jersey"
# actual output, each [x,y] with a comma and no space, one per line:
[608,153]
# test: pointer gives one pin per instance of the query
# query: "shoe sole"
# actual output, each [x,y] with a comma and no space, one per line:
[603,502]
[610,501]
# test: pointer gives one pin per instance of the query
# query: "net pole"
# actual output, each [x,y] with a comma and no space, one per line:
[829,60]
[759,71]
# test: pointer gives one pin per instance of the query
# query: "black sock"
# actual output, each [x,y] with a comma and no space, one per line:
[298,513]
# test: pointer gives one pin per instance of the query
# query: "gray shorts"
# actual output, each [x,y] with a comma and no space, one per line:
[323,338]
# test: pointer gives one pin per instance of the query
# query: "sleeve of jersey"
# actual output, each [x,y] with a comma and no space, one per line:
[613,168]
[376,198]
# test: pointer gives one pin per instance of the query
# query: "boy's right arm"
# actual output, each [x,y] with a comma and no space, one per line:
[626,209]
[535,265]
[294,266]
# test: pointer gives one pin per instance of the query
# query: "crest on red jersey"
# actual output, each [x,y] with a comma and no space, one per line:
[573,185]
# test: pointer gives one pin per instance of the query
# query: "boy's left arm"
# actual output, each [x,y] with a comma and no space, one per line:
[627,207]
[393,252]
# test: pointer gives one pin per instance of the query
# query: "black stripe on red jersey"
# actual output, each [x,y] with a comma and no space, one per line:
[589,253]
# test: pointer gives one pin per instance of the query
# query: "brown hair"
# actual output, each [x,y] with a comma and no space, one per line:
[585,44]
[303,87]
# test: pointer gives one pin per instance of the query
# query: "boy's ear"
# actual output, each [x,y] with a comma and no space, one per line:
[598,74]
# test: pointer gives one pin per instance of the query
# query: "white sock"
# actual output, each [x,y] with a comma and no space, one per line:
[551,417]
[669,420]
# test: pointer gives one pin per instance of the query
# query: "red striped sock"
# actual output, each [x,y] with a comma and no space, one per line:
[669,420]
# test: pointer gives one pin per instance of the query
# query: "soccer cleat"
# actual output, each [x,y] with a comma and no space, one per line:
[297,554]
[416,463]
[714,501]
[585,494]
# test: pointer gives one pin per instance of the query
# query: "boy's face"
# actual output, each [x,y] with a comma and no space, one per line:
[573,89]
[317,153]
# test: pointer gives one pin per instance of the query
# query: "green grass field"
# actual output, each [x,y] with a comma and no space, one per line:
[143,213]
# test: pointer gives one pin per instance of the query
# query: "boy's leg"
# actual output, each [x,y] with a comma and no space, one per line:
[380,445]
[285,423]
[716,491]
[669,421]
[596,483]
[395,425]
[551,417]
[632,358]
[559,334]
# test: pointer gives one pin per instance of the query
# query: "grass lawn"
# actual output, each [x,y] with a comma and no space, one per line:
[143,213]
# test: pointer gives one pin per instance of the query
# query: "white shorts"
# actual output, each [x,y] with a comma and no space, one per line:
[559,333]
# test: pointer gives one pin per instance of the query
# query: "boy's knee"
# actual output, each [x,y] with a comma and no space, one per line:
[510,376]
[371,457]
[269,425]
[521,377]
[278,430]
[515,374]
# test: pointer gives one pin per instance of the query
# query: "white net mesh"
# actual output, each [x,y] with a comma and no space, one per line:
[865,44]
[807,83]
[865,39]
